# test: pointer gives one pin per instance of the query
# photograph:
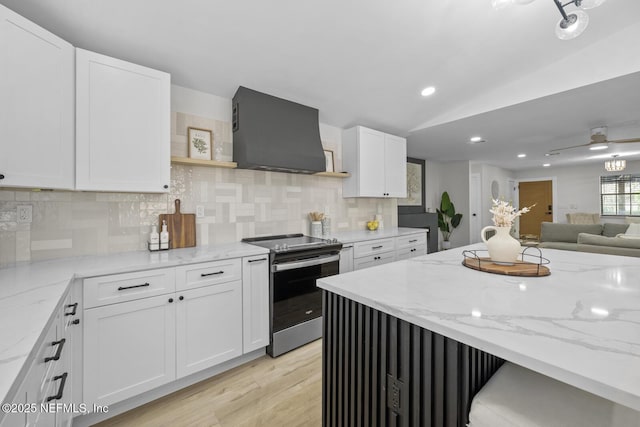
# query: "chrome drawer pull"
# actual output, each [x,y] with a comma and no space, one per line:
[211,274]
[413,241]
[122,288]
[376,247]
[63,381]
[56,356]
[256,260]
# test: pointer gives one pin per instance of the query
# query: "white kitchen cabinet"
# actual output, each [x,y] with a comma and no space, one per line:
[370,253]
[255,302]
[208,326]
[36,106]
[122,125]
[129,348]
[346,259]
[411,245]
[377,162]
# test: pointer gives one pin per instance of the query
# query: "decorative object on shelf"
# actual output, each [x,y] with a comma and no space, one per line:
[181,228]
[414,202]
[503,248]
[535,268]
[200,141]
[448,219]
[217,151]
[330,165]
[571,25]
[615,164]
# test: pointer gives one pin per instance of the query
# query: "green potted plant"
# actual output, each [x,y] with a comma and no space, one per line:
[448,219]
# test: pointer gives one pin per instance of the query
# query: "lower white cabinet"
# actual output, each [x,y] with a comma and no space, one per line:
[373,252]
[346,259]
[373,260]
[129,348]
[208,326]
[255,302]
[411,245]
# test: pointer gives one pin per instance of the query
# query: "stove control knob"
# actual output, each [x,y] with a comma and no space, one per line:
[276,247]
[285,246]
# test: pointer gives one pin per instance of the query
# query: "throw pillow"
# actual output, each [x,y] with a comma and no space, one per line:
[633,232]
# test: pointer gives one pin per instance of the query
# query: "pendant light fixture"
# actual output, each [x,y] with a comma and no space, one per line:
[615,165]
[572,24]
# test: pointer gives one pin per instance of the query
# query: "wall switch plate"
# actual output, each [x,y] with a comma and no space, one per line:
[25,214]
[199,211]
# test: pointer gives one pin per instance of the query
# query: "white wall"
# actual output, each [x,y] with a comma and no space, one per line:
[577,186]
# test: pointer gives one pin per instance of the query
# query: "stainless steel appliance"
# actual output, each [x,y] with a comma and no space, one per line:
[297,261]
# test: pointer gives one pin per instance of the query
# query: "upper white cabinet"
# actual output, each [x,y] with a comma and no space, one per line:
[377,162]
[36,106]
[122,125]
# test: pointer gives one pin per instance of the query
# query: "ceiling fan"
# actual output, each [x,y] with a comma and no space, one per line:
[598,139]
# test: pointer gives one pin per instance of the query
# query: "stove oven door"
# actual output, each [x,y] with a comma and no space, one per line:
[296,298]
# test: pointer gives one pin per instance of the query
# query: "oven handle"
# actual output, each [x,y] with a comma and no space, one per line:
[306,263]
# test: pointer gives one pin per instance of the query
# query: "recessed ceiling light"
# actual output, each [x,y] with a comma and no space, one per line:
[475,139]
[428,91]
[599,147]
[522,155]
[546,165]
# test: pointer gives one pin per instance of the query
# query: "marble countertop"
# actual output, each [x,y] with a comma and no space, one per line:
[385,233]
[30,293]
[580,325]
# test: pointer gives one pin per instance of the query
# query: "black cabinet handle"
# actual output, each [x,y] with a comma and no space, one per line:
[170,299]
[63,381]
[73,312]
[122,288]
[376,247]
[56,356]
[256,260]
[413,241]
[1,176]
[75,322]
[211,274]
[165,186]
[181,298]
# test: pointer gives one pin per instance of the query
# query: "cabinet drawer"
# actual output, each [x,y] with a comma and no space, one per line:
[116,288]
[370,247]
[411,240]
[373,260]
[208,273]
[406,253]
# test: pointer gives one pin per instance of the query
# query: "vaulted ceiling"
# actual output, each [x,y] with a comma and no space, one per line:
[500,74]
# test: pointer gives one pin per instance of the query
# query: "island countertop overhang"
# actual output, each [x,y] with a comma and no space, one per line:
[580,325]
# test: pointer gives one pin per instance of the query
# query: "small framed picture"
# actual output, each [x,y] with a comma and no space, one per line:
[200,142]
[328,157]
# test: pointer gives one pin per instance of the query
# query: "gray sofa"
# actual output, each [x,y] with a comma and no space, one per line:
[598,238]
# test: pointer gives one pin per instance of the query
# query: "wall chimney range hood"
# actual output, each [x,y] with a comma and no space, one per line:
[274,134]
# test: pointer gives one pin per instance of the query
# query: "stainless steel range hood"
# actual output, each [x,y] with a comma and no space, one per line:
[274,134]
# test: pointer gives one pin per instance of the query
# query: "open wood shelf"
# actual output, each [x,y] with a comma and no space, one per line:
[234,165]
[199,162]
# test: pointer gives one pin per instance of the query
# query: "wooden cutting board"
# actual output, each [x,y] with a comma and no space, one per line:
[181,228]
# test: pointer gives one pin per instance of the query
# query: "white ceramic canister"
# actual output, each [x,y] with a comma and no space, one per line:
[316,229]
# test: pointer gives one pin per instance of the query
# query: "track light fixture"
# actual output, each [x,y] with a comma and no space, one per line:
[572,23]
[615,165]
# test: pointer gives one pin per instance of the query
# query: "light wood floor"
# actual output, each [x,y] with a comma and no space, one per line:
[265,392]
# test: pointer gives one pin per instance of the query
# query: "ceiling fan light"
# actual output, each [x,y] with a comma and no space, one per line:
[523,1]
[570,28]
[500,4]
[596,147]
[589,4]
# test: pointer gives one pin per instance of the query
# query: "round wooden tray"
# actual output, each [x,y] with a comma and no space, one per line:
[518,268]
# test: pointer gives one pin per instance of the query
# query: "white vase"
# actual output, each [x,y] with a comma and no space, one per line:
[446,244]
[502,246]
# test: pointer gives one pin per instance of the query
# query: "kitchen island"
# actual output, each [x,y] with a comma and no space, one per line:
[410,343]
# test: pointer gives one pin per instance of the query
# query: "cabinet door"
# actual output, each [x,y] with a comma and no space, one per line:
[36,106]
[346,259]
[255,302]
[395,166]
[129,348]
[371,163]
[209,326]
[122,125]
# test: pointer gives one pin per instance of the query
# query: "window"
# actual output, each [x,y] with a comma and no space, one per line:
[620,195]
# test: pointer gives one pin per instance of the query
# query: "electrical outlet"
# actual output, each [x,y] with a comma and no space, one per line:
[25,214]
[199,211]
